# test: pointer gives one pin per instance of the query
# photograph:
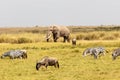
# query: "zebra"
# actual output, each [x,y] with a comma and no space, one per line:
[96,51]
[15,54]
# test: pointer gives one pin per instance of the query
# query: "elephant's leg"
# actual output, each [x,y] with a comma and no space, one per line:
[68,39]
[65,38]
[47,40]
[55,38]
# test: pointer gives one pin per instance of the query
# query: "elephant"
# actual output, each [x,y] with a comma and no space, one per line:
[47,61]
[116,53]
[57,32]
[15,54]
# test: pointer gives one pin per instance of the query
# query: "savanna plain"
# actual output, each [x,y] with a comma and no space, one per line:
[73,66]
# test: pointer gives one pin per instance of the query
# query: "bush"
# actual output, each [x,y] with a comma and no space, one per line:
[109,37]
[116,35]
[2,40]
[80,37]
[24,40]
[102,34]
[7,40]
[91,36]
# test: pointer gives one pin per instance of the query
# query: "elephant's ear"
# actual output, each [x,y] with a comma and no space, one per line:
[58,34]
[55,28]
[50,28]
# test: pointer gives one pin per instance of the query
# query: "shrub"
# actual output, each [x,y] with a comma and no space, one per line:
[80,36]
[7,40]
[24,40]
[35,31]
[91,36]
[102,34]
[2,40]
[109,37]
[116,35]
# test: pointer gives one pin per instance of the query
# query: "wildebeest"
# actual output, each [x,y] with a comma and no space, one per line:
[15,54]
[116,53]
[47,61]
[73,41]
[97,51]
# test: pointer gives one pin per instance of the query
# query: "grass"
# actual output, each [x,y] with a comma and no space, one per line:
[72,65]
[37,34]
[25,37]
[98,35]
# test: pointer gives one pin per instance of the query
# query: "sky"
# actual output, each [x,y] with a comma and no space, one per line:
[59,12]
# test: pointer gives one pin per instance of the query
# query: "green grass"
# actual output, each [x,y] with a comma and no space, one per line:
[72,65]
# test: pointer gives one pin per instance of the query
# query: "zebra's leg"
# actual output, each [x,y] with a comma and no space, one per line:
[11,57]
[20,57]
[95,55]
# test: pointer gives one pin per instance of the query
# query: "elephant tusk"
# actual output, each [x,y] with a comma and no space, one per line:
[48,37]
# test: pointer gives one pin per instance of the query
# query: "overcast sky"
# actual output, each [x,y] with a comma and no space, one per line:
[59,12]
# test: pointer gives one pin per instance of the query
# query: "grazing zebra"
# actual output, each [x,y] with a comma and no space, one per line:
[87,52]
[15,54]
[47,61]
[97,51]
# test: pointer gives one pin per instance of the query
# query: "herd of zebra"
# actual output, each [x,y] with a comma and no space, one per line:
[48,61]
[98,51]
